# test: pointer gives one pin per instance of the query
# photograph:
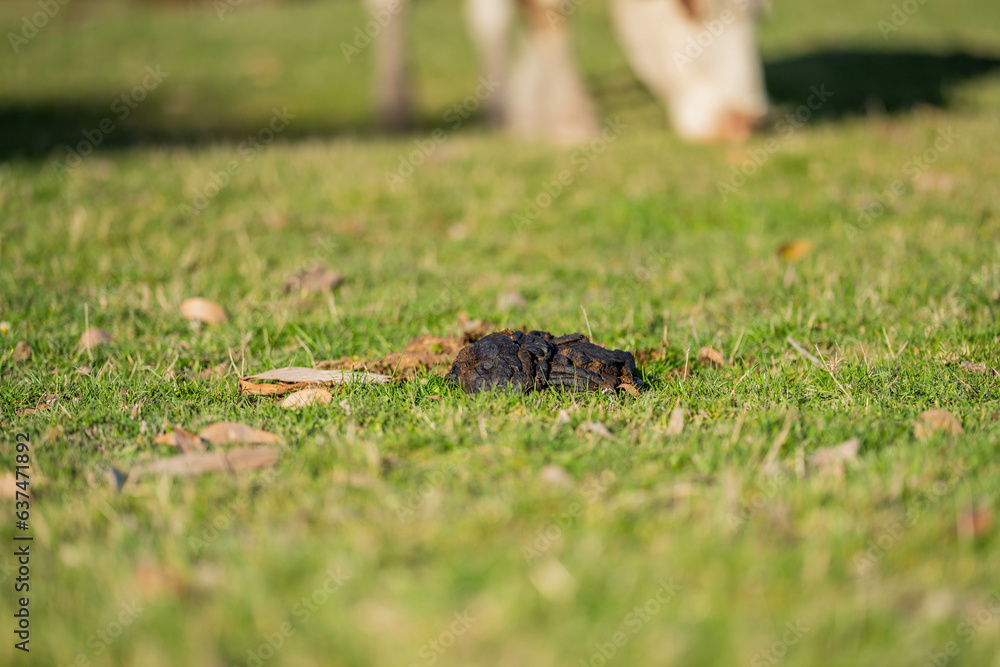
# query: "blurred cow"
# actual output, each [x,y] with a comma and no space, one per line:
[699,57]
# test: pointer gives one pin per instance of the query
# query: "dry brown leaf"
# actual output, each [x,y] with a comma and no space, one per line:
[676,424]
[317,279]
[974,522]
[832,459]
[508,300]
[185,441]
[711,357]
[8,488]
[217,371]
[22,352]
[228,433]
[91,338]
[979,368]
[553,475]
[795,250]
[294,378]
[936,419]
[596,428]
[48,400]
[234,460]
[935,182]
[202,310]
[307,396]
[151,580]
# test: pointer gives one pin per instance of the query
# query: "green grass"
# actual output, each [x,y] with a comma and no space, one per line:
[436,507]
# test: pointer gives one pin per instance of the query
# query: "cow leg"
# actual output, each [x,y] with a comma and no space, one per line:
[393,99]
[546,97]
[489,23]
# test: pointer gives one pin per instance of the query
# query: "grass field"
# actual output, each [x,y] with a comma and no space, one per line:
[411,524]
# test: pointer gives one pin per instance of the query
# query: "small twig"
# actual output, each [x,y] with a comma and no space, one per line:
[827,368]
[737,346]
[888,344]
[779,442]
[732,394]
[303,344]
[86,327]
[586,319]
[801,350]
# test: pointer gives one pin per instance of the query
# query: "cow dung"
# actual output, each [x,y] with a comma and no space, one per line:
[536,360]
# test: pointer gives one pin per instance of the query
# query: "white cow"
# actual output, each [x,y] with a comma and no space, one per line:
[699,57]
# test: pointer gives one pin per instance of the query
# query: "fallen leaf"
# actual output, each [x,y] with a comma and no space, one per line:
[307,396]
[228,433]
[974,522]
[185,465]
[510,300]
[648,355]
[317,279]
[596,428]
[91,338]
[676,424]
[711,357]
[48,400]
[8,488]
[22,352]
[935,182]
[795,250]
[188,443]
[553,581]
[936,419]
[151,580]
[553,475]
[979,368]
[629,389]
[202,310]
[217,371]
[294,378]
[832,459]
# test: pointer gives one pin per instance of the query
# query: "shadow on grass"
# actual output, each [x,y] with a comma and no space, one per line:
[861,81]
[865,81]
